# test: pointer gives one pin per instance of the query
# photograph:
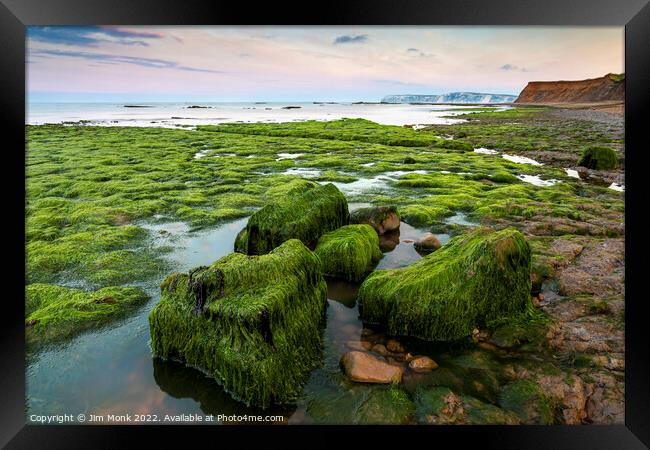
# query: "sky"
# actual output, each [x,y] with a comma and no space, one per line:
[246,63]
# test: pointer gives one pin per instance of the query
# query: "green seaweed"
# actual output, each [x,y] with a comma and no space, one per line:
[55,313]
[349,252]
[304,216]
[390,406]
[252,322]
[526,399]
[598,158]
[476,278]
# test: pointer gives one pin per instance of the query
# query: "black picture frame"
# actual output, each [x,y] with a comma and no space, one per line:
[16,14]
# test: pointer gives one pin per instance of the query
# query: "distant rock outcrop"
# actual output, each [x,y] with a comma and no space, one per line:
[611,87]
[452,97]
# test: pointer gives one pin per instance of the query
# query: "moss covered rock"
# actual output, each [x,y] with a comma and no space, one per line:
[438,406]
[385,407]
[349,252]
[441,406]
[304,214]
[251,322]
[383,219]
[526,399]
[474,280]
[598,158]
[480,413]
[53,313]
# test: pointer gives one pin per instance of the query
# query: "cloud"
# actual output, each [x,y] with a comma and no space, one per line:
[90,36]
[103,58]
[511,67]
[417,52]
[350,38]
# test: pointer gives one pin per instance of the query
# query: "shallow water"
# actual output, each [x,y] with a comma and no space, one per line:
[536,180]
[521,159]
[572,173]
[112,371]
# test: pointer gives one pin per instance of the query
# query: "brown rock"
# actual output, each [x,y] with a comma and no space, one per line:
[365,368]
[356,345]
[388,241]
[380,348]
[422,364]
[428,243]
[394,346]
[383,219]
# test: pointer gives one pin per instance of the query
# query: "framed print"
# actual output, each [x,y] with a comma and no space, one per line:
[378,219]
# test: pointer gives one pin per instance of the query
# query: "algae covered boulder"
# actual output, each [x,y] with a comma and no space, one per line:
[598,158]
[54,313]
[349,252]
[303,214]
[382,218]
[475,279]
[252,322]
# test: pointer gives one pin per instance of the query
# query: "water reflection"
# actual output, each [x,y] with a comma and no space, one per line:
[180,381]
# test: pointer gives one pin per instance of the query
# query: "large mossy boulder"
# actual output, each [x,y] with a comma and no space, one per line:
[474,280]
[383,219]
[252,322]
[349,252]
[304,214]
[598,158]
[54,313]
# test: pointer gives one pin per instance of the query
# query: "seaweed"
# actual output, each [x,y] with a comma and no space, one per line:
[476,278]
[258,331]
[349,252]
[303,215]
[55,313]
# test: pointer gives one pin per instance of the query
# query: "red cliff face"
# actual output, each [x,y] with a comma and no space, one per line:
[611,87]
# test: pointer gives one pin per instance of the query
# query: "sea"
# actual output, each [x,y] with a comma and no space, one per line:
[173,115]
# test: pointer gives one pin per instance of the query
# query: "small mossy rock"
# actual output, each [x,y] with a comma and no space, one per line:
[476,278]
[409,160]
[480,413]
[349,252]
[598,158]
[366,368]
[383,219]
[529,337]
[390,406]
[55,313]
[305,214]
[526,399]
[438,406]
[422,364]
[334,406]
[252,322]
[427,243]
